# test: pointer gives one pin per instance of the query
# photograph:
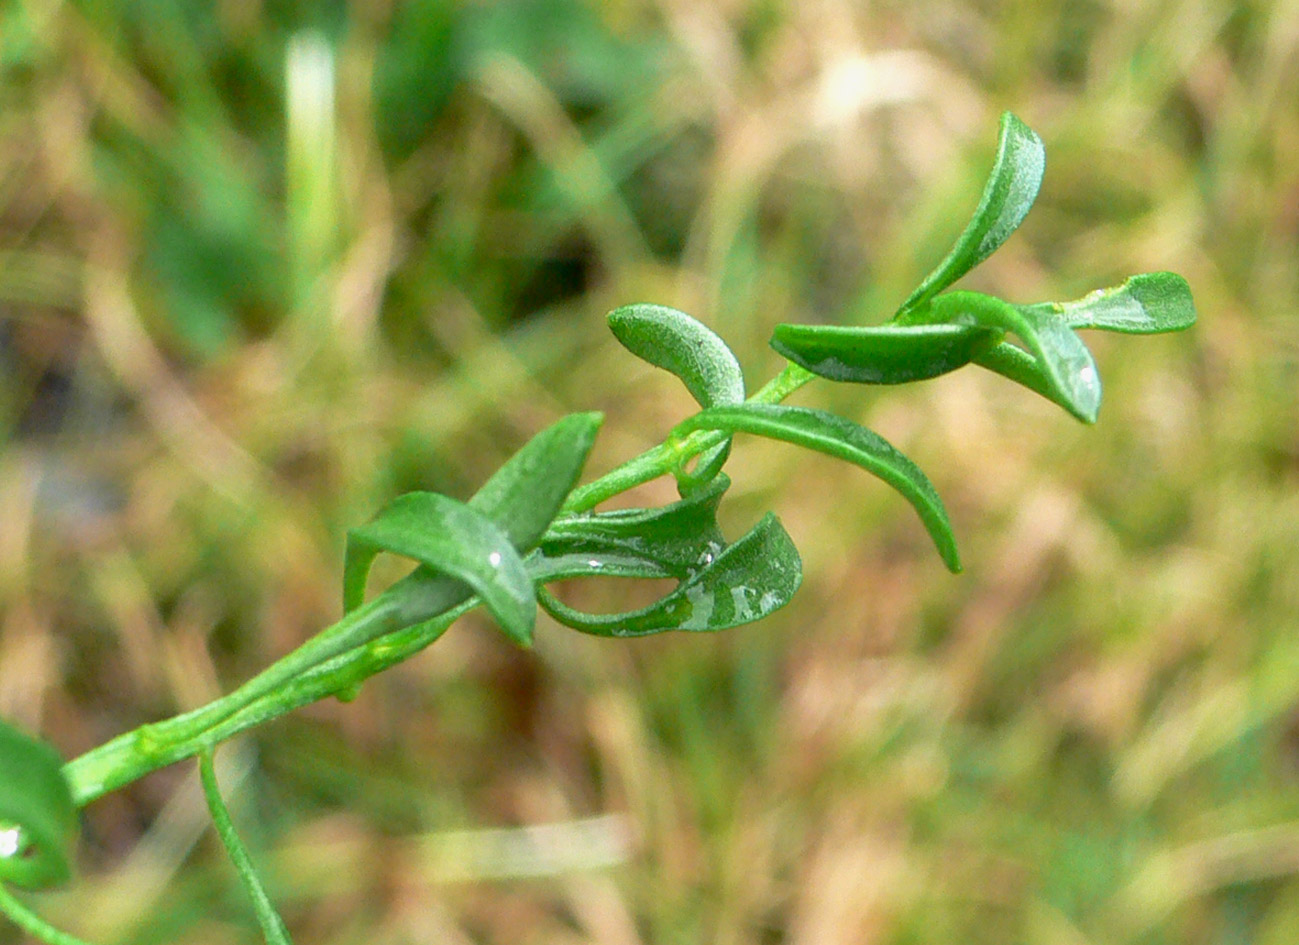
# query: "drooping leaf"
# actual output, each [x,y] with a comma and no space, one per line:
[525,494]
[669,542]
[674,341]
[881,354]
[446,537]
[839,437]
[38,820]
[1009,193]
[745,582]
[1149,303]
[1064,365]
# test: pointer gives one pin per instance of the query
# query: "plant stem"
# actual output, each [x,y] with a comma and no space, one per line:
[398,623]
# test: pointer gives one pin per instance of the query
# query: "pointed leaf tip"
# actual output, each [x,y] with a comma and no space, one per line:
[1007,197]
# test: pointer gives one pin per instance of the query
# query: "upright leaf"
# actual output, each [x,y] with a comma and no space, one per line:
[524,495]
[674,341]
[743,583]
[839,437]
[881,354]
[1007,197]
[446,537]
[38,820]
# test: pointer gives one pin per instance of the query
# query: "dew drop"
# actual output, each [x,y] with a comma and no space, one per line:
[11,841]
[595,564]
[494,559]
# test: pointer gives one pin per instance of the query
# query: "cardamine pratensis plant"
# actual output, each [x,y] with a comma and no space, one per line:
[531,524]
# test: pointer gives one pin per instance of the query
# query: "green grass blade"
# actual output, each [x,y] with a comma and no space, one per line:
[447,537]
[1009,193]
[38,820]
[881,354]
[272,925]
[841,438]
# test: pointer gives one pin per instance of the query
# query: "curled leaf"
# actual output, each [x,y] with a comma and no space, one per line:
[1063,368]
[839,437]
[739,584]
[684,346]
[1007,196]
[881,354]
[38,820]
[446,537]
[669,542]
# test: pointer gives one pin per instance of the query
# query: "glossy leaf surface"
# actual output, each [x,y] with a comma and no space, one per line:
[684,346]
[446,537]
[1007,196]
[1146,304]
[743,583]
[38,820]
[840,437]
[881,354]
[670,542]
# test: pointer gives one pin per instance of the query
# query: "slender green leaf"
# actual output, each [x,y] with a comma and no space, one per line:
[446,537]
[1009,193]
[524,495]
[1064,365]
[273,929]
[839,437]
[1149,303]
[673,541]
[38,820]
[744,582]
[674,341]
[881,354]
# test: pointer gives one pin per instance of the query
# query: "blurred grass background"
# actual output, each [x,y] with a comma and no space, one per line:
[263,265]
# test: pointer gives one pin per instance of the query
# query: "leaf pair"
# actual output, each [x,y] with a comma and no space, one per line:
[932,334]
[481,542]
[720,585]
[38,819]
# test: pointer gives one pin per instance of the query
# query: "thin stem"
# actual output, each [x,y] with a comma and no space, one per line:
[31,923]
[398,623]
[272,925]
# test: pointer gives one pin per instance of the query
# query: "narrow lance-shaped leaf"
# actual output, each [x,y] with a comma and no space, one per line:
[839,437]
[1009,193]
[447,537]
[743,583]
[672,340]
[38,820]
[881,354]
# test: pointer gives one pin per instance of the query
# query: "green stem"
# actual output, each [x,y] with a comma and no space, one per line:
[398,623]
[273,929]
[31,923]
